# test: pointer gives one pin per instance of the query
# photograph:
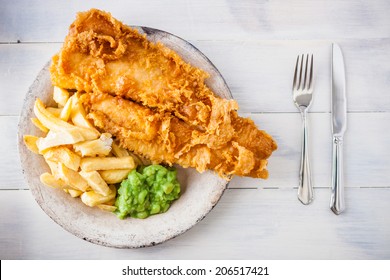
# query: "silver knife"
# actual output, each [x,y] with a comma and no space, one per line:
[339,125]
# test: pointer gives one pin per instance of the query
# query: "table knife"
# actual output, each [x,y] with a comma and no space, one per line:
[339,125]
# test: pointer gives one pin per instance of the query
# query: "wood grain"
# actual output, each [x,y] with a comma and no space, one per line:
[19,66]
[42,21]
[367,158]
[254,44]
[11,176]
[276,227]
[259,73]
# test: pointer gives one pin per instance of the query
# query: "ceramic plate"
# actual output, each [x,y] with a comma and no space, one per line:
[200,192]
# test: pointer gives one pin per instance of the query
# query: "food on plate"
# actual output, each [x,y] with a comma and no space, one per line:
[97,147]
[88,164]
[147,192]
[103,55]
[31,143]
[114,176]
[162,137]
[107,163]
[92,198]
[96,182]
[60,96]
[75,151]
[164,111]
[39,125]
[125,105]
[64,155]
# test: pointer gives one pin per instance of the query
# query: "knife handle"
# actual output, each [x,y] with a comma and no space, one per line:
[337,204]
[305,188]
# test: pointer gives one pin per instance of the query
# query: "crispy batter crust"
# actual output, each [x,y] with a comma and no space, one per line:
[101,54]
[162,110]
[163,138]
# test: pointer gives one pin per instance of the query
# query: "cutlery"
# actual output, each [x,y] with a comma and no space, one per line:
[339,125]
[302,95]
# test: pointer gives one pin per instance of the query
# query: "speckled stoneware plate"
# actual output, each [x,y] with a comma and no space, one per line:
[200,192]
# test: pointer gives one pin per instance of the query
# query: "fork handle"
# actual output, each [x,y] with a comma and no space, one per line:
[337,204]
[305,188]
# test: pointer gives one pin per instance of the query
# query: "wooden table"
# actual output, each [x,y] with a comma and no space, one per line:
[254,44]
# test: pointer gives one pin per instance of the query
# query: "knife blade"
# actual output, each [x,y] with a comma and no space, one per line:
[339,126]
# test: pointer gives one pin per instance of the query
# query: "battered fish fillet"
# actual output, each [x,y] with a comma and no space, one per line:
[164,138]
[155,103]
[101,54]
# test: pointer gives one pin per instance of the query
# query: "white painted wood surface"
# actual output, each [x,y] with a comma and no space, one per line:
[245,224]
[254,44]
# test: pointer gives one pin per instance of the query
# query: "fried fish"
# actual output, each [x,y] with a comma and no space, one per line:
[155,103]
[103,55]
[163,138]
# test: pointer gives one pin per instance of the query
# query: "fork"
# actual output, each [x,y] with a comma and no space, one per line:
[302,95]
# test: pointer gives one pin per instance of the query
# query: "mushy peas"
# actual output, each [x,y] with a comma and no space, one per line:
[148,191]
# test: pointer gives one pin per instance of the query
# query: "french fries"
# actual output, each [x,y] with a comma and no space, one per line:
[98,147]
[74,193]
[119,151]
[54,139]
[72,178]
[78,115]
[108,206]
[63,155]
[54,111]
[105,207]
[107,163]
[31,142]
[67,110]
[96,182]
[57,125]
[114,176]
[39,125]
[50,181]
[83,162]
[53,168]
[92,198]
[60,96]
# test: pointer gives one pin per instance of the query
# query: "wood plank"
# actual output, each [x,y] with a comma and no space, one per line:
[19,66]
[367,157]
[11,176]
[276,226]
[254,44]
[259,73]
[44,21]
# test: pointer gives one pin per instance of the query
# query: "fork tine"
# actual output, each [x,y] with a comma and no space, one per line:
[300,73]
[304,84]
[311,73]
[295,73]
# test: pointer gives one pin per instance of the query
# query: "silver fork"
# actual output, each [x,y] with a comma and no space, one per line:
[302,95]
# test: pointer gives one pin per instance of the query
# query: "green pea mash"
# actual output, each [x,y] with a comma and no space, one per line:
[148,191]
